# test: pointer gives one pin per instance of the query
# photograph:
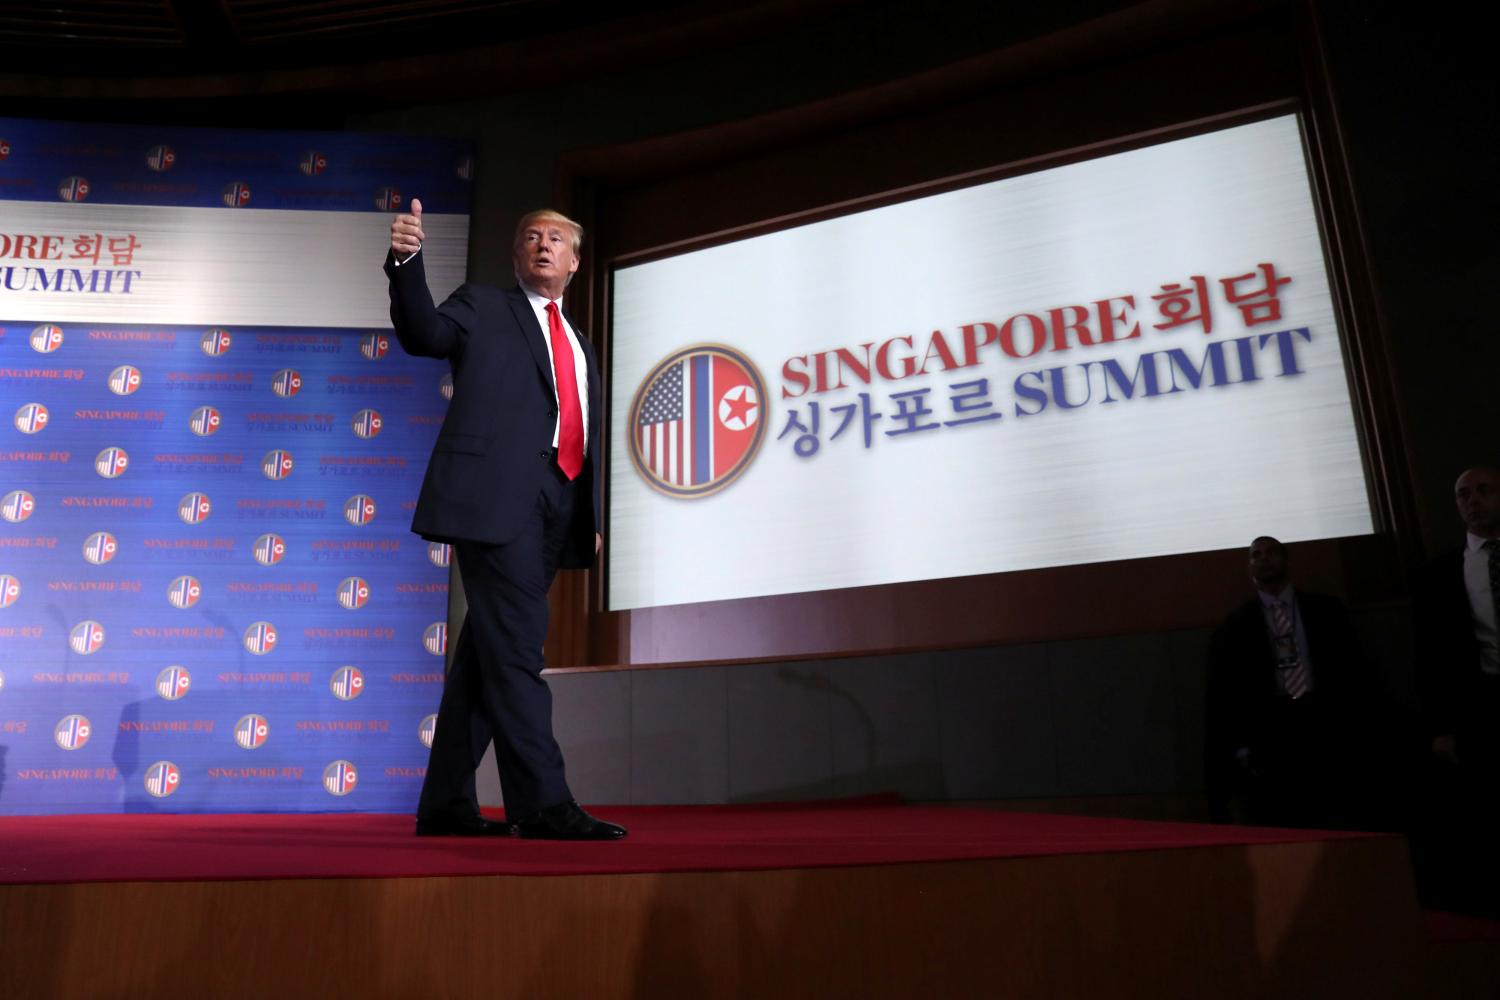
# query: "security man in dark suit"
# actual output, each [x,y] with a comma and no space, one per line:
[513,484]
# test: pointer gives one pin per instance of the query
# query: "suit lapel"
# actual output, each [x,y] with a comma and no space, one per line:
[520,306]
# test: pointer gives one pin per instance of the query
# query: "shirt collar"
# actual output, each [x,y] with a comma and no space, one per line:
[1476,542]
[1285,597]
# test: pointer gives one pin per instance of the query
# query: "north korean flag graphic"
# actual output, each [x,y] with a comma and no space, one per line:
[194,508]
[100,547]
[388,199]
[46,338]
[353,593]
[347,683]
[86,637]
[427,730]
[184,592]
[435,638]
[339,777]
[72,732]
[374,345]
[173,682]
[162,779]
[124,380]
[73,189]
[215,342]
[359,509]
[286,383]
[277,464]
[10,590]
[4,148]
[367,423]
[31,418]
[312,163]
[17,506]
[236,195]
[260,638]
[269,549]
[251,731]
[111,462]
[697,421]
[205,421]
[160,158]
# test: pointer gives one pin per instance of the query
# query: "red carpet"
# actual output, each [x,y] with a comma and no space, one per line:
[36,849]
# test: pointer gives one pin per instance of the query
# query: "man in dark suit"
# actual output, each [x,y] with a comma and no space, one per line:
[1287,690]
[513,484]
[1454,611]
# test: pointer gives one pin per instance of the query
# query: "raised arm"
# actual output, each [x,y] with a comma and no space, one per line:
[422,328]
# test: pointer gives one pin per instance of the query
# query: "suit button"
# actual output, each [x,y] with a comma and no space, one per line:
[545,455]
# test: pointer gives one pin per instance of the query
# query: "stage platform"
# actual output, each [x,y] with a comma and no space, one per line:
[865,898]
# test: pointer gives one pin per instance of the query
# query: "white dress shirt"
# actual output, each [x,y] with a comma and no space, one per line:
[1481,602]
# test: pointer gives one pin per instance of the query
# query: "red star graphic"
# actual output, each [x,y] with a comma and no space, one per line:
[739,407]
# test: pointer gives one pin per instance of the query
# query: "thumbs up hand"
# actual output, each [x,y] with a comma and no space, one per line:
[406,232]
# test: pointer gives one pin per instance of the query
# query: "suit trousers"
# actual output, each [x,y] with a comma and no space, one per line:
[495,691]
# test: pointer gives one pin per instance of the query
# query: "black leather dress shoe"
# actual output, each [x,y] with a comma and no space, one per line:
[566,821]
[462,826]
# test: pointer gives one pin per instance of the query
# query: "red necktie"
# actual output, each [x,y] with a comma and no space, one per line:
[570,415]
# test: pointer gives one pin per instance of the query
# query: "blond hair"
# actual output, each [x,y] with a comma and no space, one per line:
[556,218]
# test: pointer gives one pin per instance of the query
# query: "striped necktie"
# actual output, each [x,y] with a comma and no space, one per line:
[1291,667]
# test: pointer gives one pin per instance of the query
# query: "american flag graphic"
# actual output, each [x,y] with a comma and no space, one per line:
[236,195]
[427,730]
[161,158]
[359,509]
[72,732]
[46,338]
[184,592]
[124,380]
[277,464]
[374,345]
[215,342]
[73,189]
[194,508]
[111,462]
[388,199]
[173,682]
[347,683]
[251,731]
[31,418]
[204,421]
[100,547]
[440,553]
[260,638]
[269,549]
[86,637]
[312,163]
[162,778]
[339,777]
[697,419]
[353,593]
[367,423]
[435,639]
[286,383]
[17,506]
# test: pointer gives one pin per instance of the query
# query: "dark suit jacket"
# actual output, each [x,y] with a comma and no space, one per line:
[1447,653]
[1243,707]
[493,451]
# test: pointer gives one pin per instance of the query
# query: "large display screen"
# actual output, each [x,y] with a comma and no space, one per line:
[1131,356]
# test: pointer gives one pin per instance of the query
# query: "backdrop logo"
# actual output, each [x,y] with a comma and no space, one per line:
[435,638]
[260,638]
[367,423]
[277,464]
[374,345]
[312,163]
[46,338]
[251,731]
[440,553]
[111,463]
[465,168]
[339,777]
[73,189]
[236,195]
[86,637]
[17,506]
[427,729]
[160,158]
[359,509]
[286,383]
[4,148]
[387,199]
[696,422]
[124,380]
[269,549]
[184,592]
[100,547]
[347,683]
[205,421]
[31,418]
[194,508]
[353,593]
[10,590]
[2,680]
[162,779]
[215,342]
[72,732]
[445,386]
[173,682]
